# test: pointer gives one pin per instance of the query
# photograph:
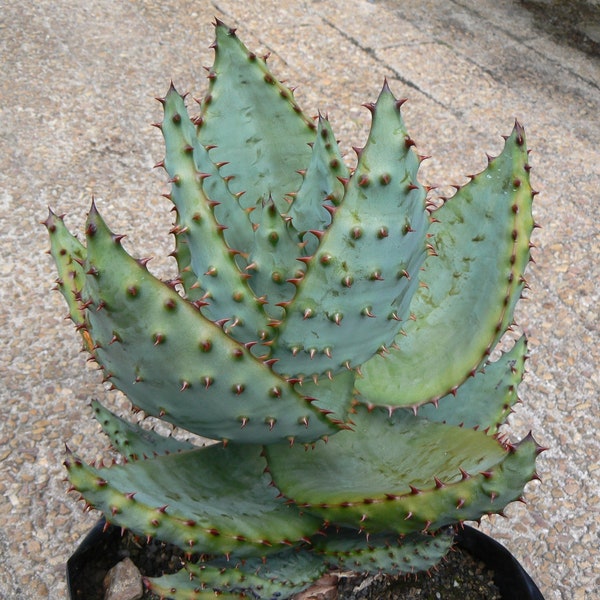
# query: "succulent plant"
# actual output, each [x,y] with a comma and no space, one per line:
[331,330]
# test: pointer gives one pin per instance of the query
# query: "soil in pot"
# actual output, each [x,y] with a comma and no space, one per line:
[459,576]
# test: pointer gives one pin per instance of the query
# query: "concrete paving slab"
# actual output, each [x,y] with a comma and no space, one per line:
[77,84]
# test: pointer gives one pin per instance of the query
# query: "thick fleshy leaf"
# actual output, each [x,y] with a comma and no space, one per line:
[174,363]
[358,285]
[486,399]
[252,122]
[322,188]
[214,500]
[350,550]
[223,289]
[272,261]
[278,576]
[69,256]
[402,474]
[180,137]
[133,441]
[469,288]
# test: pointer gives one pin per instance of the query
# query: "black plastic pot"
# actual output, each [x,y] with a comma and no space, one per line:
[510,577]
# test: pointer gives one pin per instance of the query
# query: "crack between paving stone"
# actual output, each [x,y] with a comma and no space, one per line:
[408,82]
[372,53]
[524,41]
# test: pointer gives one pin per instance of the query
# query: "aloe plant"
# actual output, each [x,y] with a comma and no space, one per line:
[329,329]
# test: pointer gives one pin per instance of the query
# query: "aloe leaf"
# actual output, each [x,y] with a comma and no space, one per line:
[280,575]
[225,205]
[359,284]
[485,400]
[133,441]
[322,188]
[215,387]
[69,256]
[252,122]
[272,261]
[384,553]
[225,287]
[333,394]
[469,288]
[196,500]
[402,474]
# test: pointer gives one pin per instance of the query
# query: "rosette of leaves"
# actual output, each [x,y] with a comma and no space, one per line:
[329,329]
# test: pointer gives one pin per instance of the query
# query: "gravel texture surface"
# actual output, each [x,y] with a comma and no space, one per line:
[76,104]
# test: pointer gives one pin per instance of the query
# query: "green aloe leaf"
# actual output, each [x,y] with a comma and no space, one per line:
[470,287]
[214,500]
[222,284]
[133,441]
[174,363]
[486,399]
[358,285]
[350,550]
[322,188]
[402,473]
[252,122]
[69,256]
[272,261]
[280,575]
[181,141]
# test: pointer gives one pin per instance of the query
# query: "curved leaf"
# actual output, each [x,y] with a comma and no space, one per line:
[279,576]
[133,441]
[359,284]
[174,363]
[402,474]
[252,122]
[470,287]
[214,500]
[485,400]
[69,256]
[350,550]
